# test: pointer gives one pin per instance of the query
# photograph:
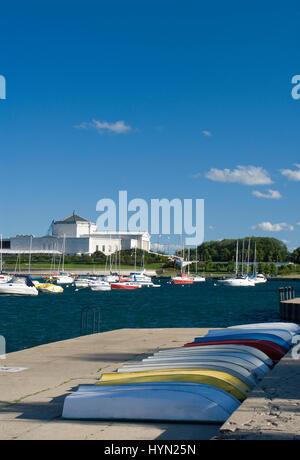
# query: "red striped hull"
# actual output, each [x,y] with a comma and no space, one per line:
[123,286]
[271,349]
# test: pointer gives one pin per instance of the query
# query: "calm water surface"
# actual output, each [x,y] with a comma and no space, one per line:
[29,321]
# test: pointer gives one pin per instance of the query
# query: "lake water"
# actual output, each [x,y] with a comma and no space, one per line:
[30,321]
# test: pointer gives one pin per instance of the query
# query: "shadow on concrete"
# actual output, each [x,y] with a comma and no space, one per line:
[188,432]
[109,357]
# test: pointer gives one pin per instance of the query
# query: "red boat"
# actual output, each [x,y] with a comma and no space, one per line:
[271,349]
[183,279]
[124,285]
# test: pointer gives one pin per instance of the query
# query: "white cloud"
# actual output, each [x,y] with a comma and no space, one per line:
[268,227]
[271,195]
[246,175]
[292,174]
[207,133]
[119,127]
[211,227]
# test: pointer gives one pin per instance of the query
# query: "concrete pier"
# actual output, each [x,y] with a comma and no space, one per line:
[31,401]
[272,410]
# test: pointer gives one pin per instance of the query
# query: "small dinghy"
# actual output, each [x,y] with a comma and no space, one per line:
[291,327]
[274,351]
[255,336]
[180,402]
[221,380]
[184,351]
[233,369]
[286,336]
[249,362]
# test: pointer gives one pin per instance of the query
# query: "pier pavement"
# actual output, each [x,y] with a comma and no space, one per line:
[31,400]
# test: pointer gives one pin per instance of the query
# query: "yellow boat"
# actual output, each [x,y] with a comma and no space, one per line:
[218,379]
[48,287]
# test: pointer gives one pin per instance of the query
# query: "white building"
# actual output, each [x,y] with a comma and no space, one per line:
[76,235]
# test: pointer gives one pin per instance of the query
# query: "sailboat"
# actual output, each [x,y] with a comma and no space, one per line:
[239,280]
[258,278]
[197,278]
[183,278]
[4,277]
[63,277]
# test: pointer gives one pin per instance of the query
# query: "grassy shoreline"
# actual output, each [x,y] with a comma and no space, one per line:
[156,267]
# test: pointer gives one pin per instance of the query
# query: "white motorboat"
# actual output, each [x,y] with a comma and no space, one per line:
[64,278]
[199,279]
[85,282]
[259,278]
[101,286]
[238,281]
[4,278]
[19,285]
[141,278]
[81,282]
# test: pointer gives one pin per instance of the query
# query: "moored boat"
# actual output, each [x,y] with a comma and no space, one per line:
[101,286]
[19,285]
[183,279]
[51,288]
[219,379]
[172,401]
[127,285]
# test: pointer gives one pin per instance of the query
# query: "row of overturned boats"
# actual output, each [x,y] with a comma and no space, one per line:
[204,381]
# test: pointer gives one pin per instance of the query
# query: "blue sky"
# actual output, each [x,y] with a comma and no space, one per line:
[162,99]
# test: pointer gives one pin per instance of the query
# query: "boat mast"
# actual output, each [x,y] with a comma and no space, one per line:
[243,250]
[236,257]
[248,260]
[1,262]
[254,263]
[63,255]
[30,248]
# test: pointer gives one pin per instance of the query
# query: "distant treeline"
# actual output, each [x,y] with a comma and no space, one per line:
[267,250]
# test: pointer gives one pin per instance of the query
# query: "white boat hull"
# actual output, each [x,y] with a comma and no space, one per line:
[239,282]
[199,279]
[186,402]
[100,287]
[64,280]
[216,349]
[11,289]
[291,327]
